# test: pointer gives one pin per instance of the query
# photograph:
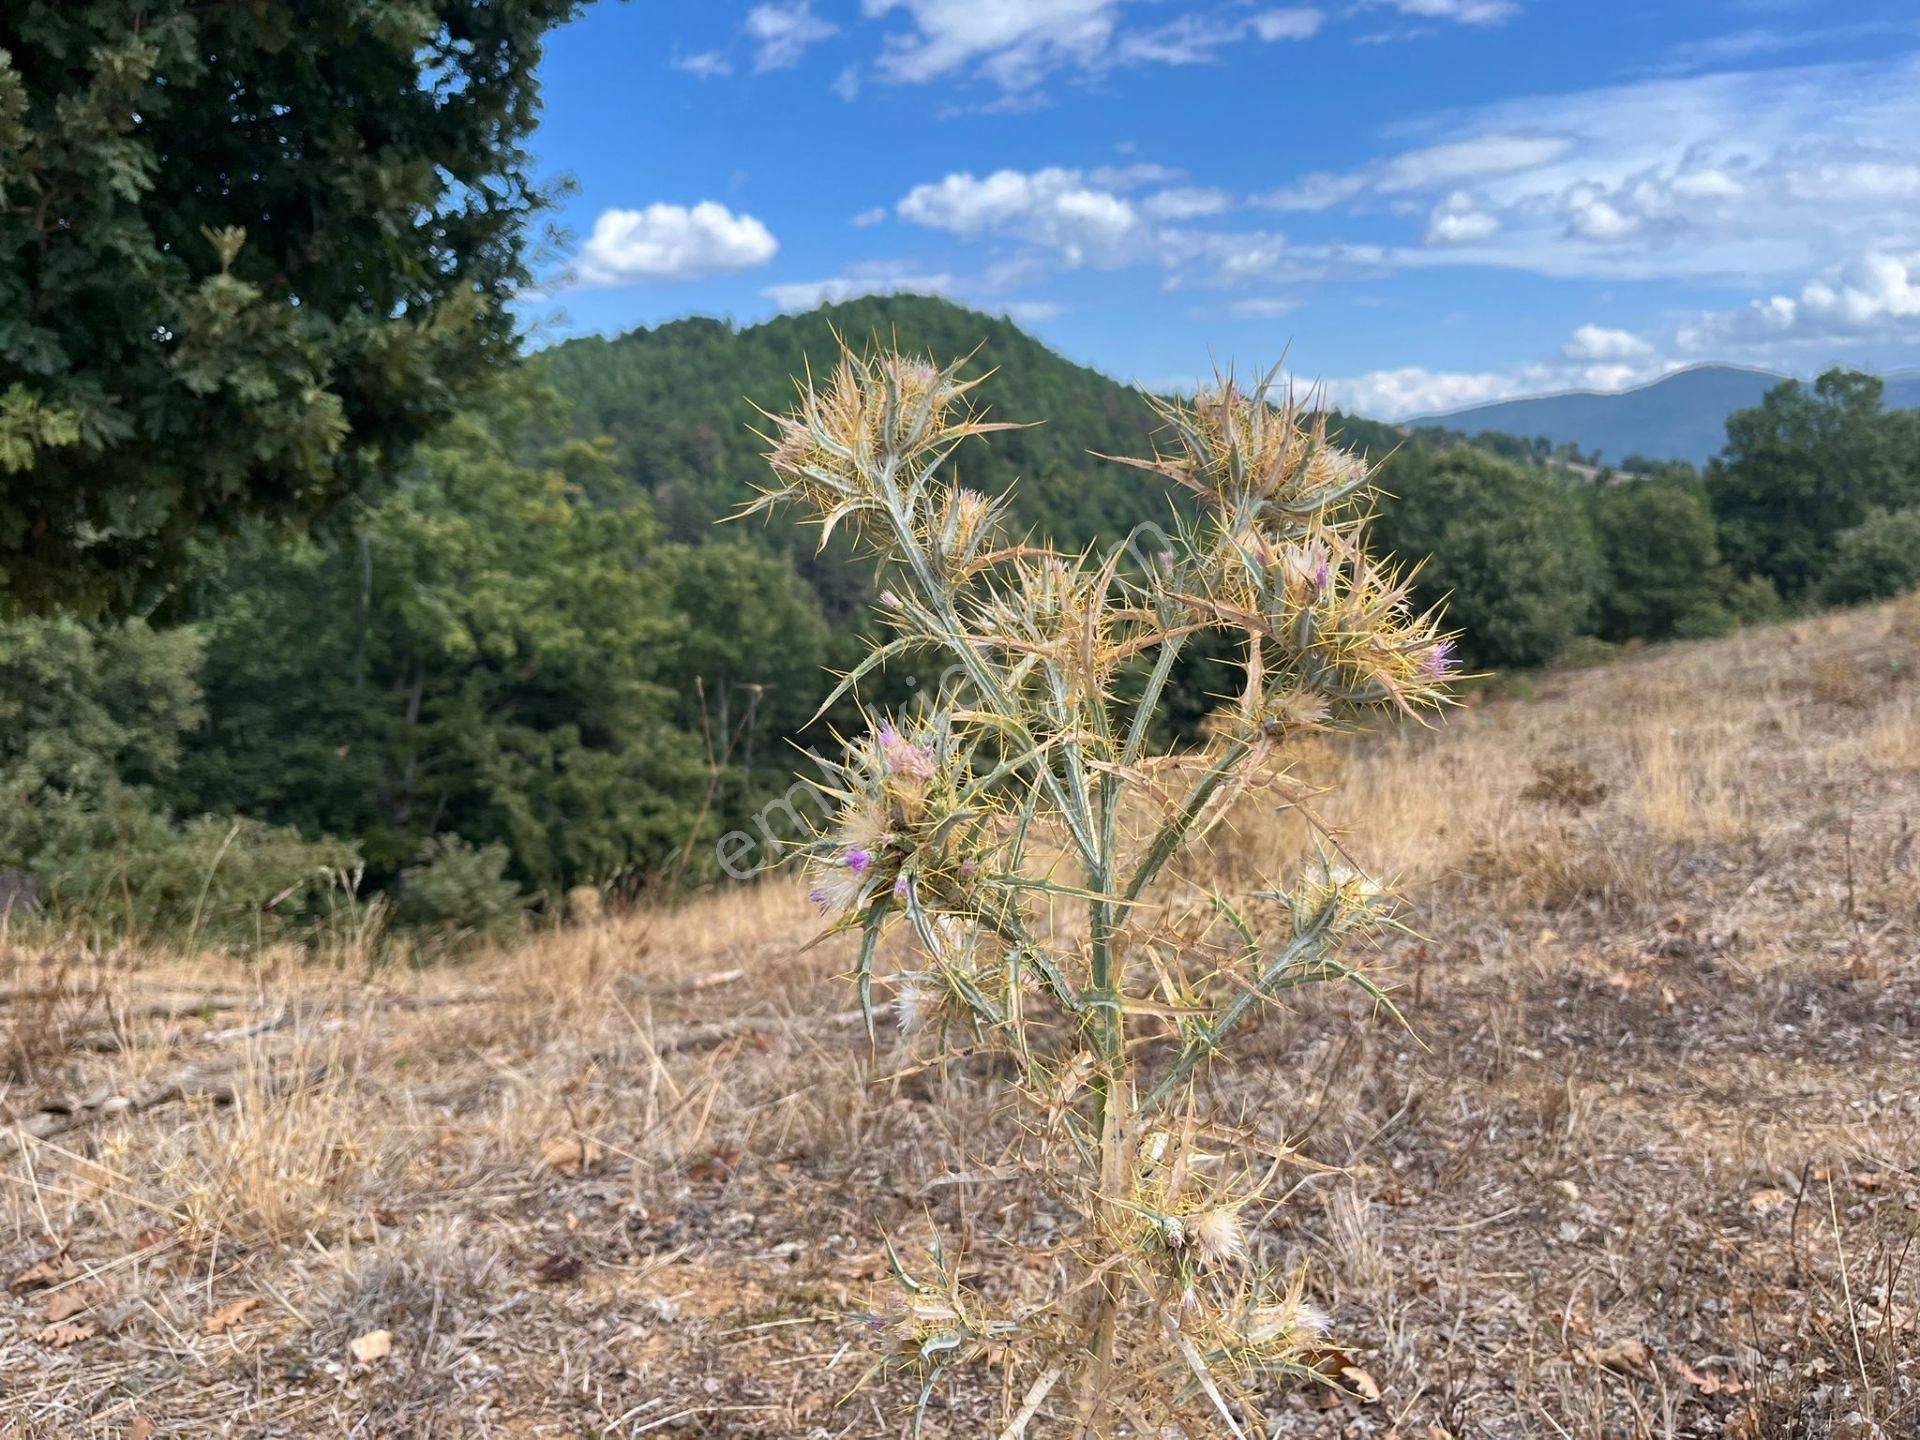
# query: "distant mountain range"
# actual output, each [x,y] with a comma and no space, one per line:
[1682,416]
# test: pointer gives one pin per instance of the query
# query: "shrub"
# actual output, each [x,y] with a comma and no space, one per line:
[459,893]
[947,826]
[113,861]
[1878,558]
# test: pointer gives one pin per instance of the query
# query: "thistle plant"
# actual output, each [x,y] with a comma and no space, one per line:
[1043,868]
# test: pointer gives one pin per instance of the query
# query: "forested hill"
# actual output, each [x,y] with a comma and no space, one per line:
[677,402]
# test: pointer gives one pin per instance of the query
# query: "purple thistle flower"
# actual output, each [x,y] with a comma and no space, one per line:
[819,897]
[859,860]
[969,869]
[900,887]
[1439,661]
[1322,574]
[1166,558]
[887,735]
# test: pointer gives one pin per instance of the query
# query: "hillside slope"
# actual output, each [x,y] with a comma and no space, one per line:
[1662,1001]
[678,401]
[1680,417]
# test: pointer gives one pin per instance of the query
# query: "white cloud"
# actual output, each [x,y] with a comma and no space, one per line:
[1596,342]
[1414,390]
[1874,296]
[1593,217]
[847,83]
[1015,42]
[1458,220]
[1186,202]
[1198,40]
[1462,12]
[1741,177]
[672,242]
[706,65]
[811,294]
[1469,158]
[1032,312]
[1264,307]
[1321,190]
[784,32]
[1299,23]
[870,217]
[1054,207]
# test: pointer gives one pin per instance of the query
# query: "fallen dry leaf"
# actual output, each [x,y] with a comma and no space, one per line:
[50,1271]
[64,1304]
[1624,1356]
[374,1345]
[228,1316]
[141,1429]
[567,1155]
[1767,1201]
[1360,1382]
[1707,1382]
[63,1335]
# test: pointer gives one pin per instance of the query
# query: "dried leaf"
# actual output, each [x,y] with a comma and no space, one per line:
[1360,1382]
[567,1155]
[50,1271]
[64,1304]
[374,1345]
[141,1429]
[228,1316]
[62,1335]
[1708,1383]
[1767,1201]
[1625,1356]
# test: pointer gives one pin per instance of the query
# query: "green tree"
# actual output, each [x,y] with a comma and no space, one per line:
[1805,464]
[1508,548]
[482,658]
[1877,558]
[250,252]
[1661,560]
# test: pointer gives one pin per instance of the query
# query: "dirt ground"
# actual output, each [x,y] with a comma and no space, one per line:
[1647,1162]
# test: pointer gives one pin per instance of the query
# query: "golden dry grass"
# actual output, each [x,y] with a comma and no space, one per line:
[1644,1166]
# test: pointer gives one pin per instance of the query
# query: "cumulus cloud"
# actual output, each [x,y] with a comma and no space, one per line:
[1874,296]
[1054,207]
[1596,342]
[1458,220]
[783,33]
[672,242]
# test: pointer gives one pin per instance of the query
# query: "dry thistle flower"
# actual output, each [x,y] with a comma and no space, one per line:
[955,825]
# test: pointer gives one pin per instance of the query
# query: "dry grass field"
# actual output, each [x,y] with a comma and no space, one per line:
[1646,1164]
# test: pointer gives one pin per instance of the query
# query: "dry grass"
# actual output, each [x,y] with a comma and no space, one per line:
[1645,1167]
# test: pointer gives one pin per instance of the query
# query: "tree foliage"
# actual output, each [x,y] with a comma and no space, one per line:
[1508,547]
[482,657]
[1806,464]
[250,252]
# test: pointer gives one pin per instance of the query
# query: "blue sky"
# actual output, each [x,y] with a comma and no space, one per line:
[1424,203]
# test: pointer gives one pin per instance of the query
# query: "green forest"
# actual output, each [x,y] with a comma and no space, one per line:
[319,585]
